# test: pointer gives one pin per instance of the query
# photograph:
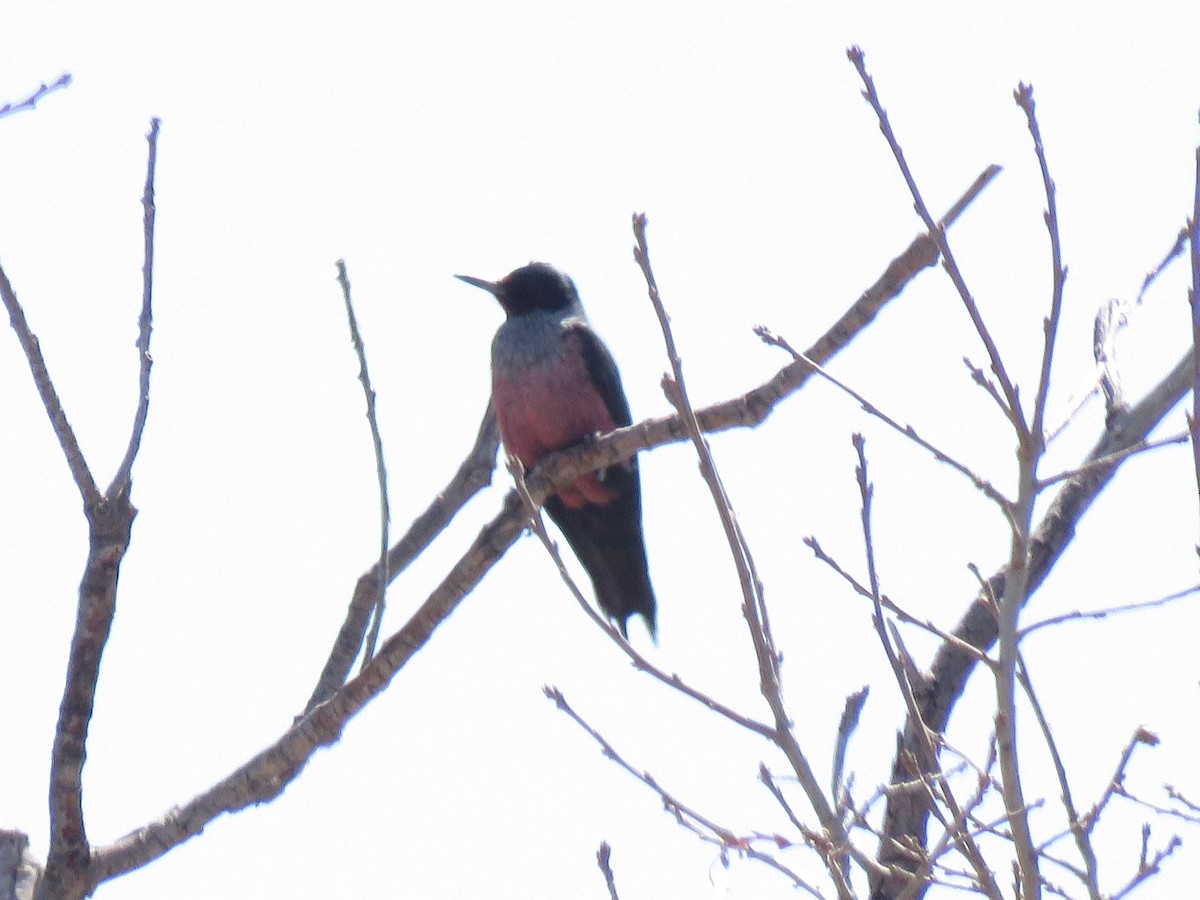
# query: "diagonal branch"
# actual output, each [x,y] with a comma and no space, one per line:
[267,774]
[694,821]
[908,431]
[474,474]
[335,701]
[41,379]
[745,411]
[8,109]
[538,526]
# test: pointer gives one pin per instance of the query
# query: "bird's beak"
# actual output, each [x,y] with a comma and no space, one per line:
[490,286]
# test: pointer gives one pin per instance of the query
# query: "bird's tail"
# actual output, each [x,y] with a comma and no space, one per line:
[609,544]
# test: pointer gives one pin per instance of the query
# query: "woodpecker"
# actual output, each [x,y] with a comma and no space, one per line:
[555,385]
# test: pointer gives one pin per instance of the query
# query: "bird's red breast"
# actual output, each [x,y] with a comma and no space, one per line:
[549,407]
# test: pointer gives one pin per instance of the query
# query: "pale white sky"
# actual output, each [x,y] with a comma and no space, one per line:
[471,137]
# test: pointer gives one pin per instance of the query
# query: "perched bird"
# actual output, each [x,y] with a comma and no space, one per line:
[554,384]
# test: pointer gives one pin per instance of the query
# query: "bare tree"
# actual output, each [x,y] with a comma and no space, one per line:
[930,825]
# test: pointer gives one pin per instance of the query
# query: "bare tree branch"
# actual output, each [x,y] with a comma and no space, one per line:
[110,518]
[1132,450]
[73,871]
[1110,610]
[910,682]
[1080,829]
[19,871]
[538,525]
[380,467]
[753,407]
[1181,240]
[906,813]
[846,728]
[1194,301]
[1149,865]
[1024,98]
[8,109]
[121,480]
[908,431]
[603,856]
[474,474]
[892,606]
[41,379]
[697,823]
[746,410]
[1012,401]
[753,604]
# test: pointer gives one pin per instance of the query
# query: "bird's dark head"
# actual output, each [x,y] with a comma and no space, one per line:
[532,288]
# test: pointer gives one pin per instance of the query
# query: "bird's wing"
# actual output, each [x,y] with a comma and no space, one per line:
[602,369]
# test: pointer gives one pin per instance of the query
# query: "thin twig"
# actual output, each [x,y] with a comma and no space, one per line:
[1179,797]
[981,378]
[1109,611]
[1011,601]
[937,784]
[765,776]
[1030,448]
[676,390]
[1148,866]
[1181,240]
[603,860]
[753,608]
[1012,399]
[145,321]
[1194,301]
[1157,808]
[474,474]
[385,516]
[1125,452]
[948,838]
[1024,97]
[538,526]
[910,682]
[1080,829]
[699,824]
[8,109]
[907,679]
[1116,784]
[774,340]
[846,727]
[54,409]
[891,606]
